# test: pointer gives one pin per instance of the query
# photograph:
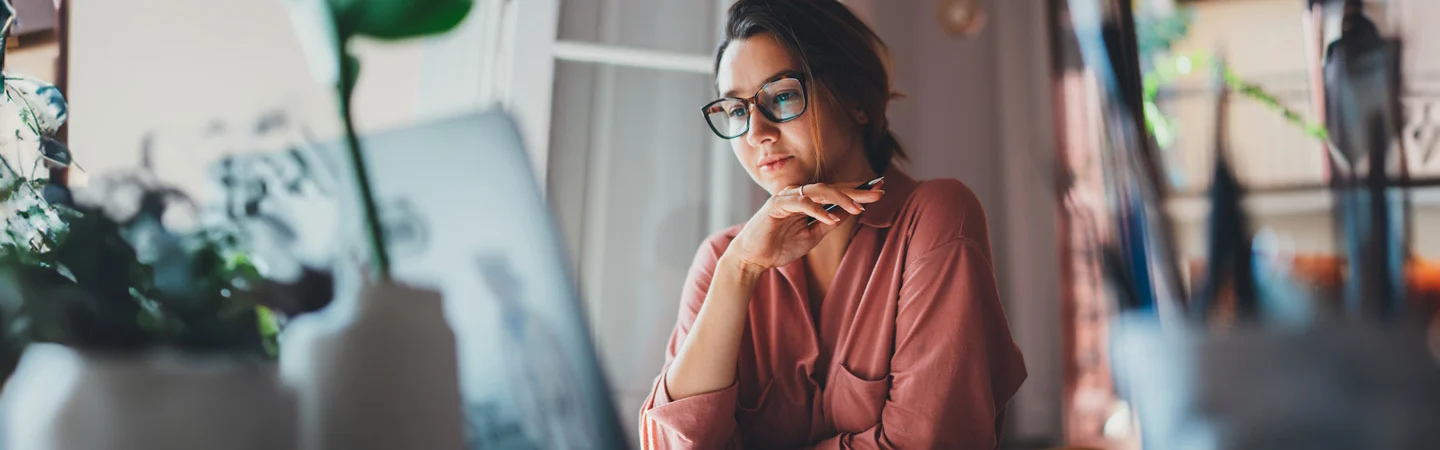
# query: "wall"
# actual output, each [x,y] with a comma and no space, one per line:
[173,67]
[947,120]
[34,60]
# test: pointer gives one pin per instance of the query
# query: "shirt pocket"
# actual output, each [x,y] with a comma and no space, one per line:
[855,402]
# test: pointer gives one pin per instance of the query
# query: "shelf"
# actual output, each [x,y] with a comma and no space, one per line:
[1193,208]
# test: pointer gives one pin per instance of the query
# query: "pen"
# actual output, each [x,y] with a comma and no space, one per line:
[864,187]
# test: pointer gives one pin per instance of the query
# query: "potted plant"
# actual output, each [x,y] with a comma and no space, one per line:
[139,334]
[138,337]
[135,333]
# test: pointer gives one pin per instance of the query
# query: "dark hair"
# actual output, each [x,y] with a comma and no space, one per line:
[839,55]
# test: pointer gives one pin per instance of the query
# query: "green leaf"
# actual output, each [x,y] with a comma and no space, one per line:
[269,330]
[398,19]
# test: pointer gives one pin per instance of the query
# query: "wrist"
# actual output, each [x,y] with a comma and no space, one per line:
[747,272]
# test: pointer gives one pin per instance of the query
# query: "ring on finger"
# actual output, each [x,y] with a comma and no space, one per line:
[802,190]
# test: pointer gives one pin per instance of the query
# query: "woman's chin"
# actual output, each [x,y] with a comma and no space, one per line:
[773,181]
[776,181]
[774,187]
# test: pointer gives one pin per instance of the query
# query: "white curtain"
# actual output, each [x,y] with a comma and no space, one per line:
[636,178]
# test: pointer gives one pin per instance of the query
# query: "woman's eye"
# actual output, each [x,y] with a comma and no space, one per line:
[738,111]
[785,97]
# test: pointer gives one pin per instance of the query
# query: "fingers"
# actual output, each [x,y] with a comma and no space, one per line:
[818,196]
[864,197]
[844,195]
[793,204]
[871,195]
[821,229]
[830,195]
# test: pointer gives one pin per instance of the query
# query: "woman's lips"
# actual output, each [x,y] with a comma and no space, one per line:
[776,164]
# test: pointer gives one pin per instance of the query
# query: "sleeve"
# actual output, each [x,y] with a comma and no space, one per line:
[703,421]
[955,365]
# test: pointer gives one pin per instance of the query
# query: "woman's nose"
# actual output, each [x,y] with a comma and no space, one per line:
[762,132]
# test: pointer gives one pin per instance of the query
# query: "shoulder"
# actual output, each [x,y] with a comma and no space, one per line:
[945,199]
[943,210]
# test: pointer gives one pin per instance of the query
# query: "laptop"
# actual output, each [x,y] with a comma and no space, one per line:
[464,215]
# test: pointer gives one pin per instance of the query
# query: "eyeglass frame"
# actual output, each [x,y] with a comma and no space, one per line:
[752,102]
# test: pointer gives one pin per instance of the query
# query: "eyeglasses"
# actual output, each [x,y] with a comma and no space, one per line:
[780,101]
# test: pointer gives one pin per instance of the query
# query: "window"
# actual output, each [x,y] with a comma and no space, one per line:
[634,177]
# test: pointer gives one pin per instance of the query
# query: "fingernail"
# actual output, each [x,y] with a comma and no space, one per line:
[833,218]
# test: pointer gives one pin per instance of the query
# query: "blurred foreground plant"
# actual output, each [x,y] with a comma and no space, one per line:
[113,277]
[108,275]
[327,27]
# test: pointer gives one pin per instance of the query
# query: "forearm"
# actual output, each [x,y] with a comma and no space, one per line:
[706,360]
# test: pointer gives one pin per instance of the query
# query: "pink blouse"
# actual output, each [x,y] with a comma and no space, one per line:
[909,349]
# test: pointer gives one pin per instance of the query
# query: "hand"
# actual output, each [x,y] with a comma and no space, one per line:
[778,235]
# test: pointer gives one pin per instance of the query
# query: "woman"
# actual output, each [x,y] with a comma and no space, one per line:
[877,326]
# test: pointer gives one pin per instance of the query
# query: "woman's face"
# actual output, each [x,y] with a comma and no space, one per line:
[779,155]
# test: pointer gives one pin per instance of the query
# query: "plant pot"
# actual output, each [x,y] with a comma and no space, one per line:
[377,370]
[61,398]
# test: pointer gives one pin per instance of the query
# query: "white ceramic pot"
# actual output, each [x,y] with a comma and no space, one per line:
[61,398]
[377,370]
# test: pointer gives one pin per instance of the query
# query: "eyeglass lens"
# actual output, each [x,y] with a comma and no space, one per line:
[780,101]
